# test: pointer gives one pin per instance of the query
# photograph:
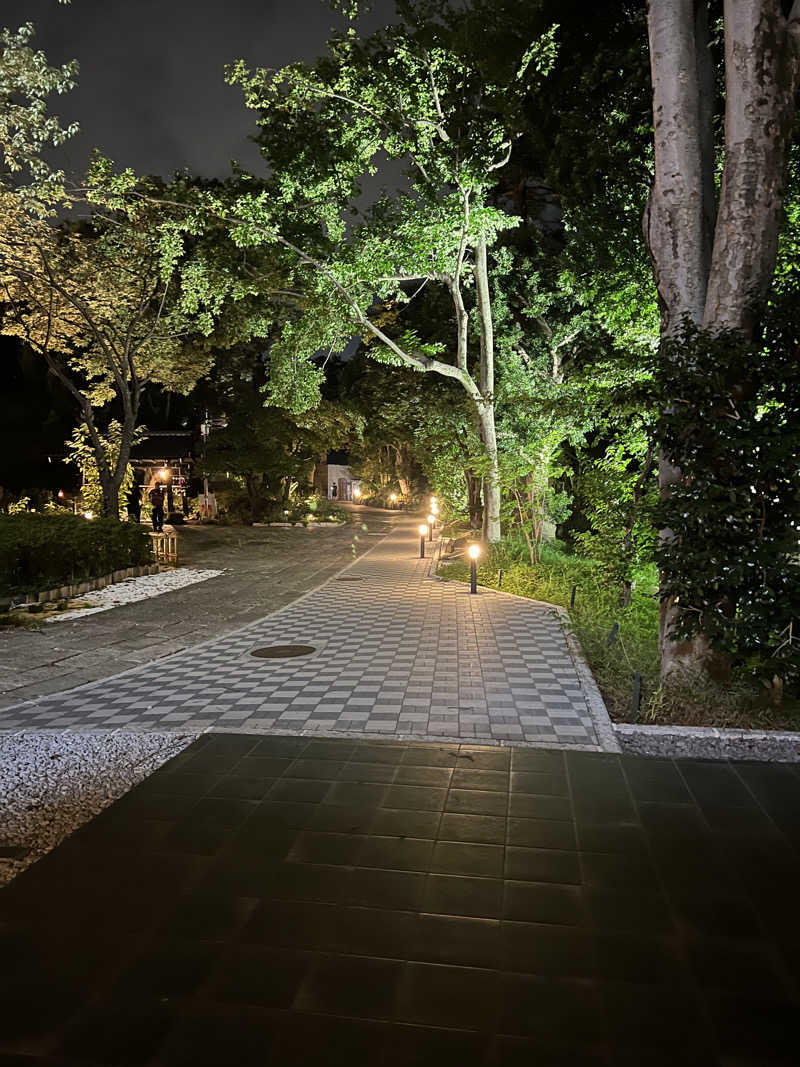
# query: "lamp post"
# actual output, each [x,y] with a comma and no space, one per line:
[474,552]
[393,499]
[431,521]
[423,533]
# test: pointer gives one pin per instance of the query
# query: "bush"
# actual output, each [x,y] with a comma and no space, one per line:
[40,551]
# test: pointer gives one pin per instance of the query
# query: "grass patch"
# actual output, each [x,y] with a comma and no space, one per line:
[738,705]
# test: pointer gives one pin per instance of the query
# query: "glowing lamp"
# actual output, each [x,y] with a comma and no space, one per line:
[163,473]
[60,494]
[474,551]
[88,514]
[423,533]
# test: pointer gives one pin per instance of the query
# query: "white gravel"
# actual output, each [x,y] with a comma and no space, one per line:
[51,782]
[133,589]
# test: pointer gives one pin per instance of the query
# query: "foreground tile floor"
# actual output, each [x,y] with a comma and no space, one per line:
[394,654]
[285,900]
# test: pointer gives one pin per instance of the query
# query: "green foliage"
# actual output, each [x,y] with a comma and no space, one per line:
[82,455]
[620,494]
[26,128]
[40,551]
[731,423]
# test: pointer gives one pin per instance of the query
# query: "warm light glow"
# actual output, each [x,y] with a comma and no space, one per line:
[435,508]
[88,514]
[423,531]
[356,492]
[431,520]
[393,497]
[433,501]
[60,494]
[474,551]
[164,473]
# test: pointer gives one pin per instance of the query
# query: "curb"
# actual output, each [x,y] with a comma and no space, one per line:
[91,585]
[707,742]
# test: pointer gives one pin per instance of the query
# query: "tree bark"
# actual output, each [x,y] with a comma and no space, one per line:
[715,271]
[474,500]
[486,403]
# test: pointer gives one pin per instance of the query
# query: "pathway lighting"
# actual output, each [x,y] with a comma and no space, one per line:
[163,474]
[431,521]
[356,492]
[88,514]
[474,552]
[60,494]
[434,507]
[423,533]
[393,499]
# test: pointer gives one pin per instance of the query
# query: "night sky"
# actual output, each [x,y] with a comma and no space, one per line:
[151,93]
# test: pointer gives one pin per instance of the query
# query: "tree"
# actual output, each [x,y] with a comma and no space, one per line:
[100,305]
[713,259]
[26,129]
[268,449]
[423,105]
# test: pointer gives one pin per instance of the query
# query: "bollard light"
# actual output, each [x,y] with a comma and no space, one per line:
[474,552]
[423,533]
[431,521]
[393,499]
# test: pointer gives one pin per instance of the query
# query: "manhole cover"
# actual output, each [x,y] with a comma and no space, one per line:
[281,651]
[351,578]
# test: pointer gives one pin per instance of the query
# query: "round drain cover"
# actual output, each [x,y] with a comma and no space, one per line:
[351,578]
[281,651]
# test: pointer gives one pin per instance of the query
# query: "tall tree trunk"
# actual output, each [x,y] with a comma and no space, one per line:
[486,404]
[712,271]
[474,500]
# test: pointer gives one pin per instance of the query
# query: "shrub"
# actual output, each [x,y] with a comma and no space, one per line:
[40,551]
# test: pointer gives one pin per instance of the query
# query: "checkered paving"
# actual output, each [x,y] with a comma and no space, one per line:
[396,654]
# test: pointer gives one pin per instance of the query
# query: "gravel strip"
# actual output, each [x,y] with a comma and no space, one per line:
[132,589]
[706,742]
[51,782]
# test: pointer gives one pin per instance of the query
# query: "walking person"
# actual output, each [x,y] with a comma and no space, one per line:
[156,496]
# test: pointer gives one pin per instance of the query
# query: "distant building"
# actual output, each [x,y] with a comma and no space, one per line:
[165,457]
[336,480]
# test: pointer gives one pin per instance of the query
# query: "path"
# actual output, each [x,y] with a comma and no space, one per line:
[266,568]
[304,902]
[395,653]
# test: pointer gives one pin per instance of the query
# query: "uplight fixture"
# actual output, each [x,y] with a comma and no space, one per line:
[474,552]
[423,533]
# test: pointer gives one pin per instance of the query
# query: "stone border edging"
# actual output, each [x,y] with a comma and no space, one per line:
[707,742]
[598,712]
[66,592]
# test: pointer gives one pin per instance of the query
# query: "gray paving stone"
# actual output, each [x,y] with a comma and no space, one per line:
[394,654]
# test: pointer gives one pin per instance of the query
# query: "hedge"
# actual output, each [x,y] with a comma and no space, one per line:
[38,551]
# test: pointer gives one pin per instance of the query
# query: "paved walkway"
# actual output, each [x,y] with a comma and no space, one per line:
[265,569]
[394,653]
[310,902]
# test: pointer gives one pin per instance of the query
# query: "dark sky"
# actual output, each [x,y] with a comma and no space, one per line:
[151,93]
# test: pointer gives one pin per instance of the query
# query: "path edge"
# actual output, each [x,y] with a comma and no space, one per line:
[598,712]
